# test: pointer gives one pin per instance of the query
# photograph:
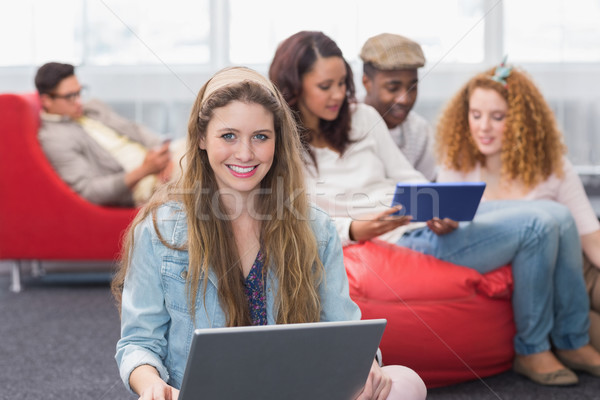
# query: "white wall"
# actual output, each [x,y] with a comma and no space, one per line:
[161,98]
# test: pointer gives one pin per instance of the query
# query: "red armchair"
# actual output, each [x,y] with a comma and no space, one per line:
[41,217]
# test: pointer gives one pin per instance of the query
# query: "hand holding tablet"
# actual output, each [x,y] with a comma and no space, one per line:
[457,201]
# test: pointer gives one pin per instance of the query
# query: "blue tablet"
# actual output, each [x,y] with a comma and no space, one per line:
[423,201]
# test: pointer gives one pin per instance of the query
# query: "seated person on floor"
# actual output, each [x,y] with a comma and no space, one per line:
[489,133]
[105,158]
[237,256]
[352,168]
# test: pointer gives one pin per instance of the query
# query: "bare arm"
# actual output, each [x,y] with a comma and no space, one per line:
[377,224]
[591,247]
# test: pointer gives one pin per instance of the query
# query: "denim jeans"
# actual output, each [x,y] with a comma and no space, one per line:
[539,238]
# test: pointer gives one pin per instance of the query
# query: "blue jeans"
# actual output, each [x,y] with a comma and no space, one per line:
[540,240]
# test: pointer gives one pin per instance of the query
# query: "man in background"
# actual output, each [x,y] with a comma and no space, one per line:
[390,77]
[105,158]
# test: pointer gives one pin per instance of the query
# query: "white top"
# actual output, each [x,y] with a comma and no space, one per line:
[414,138]
[568,191]
[363,180]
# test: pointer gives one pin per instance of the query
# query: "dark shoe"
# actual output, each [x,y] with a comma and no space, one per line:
[562,377]
[590,369]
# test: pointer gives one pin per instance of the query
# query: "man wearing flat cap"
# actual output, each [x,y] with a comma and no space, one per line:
[390,77]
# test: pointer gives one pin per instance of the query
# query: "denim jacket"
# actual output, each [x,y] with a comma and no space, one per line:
[156,327]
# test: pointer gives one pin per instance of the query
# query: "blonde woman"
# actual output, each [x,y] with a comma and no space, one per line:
[233,243]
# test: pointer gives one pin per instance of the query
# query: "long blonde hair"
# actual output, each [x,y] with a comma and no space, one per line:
[288,242]
[532,144]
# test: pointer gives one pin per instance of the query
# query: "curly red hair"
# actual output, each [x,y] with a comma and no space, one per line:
[532,144]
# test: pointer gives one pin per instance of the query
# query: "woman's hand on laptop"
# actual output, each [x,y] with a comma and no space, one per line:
[145,381]
[442,226]
[378,384]
[160,391]
[371,226]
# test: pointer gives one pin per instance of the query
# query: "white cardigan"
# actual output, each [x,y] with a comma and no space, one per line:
[362,181]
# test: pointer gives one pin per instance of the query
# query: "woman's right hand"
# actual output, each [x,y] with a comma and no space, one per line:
[374,225]
[159,391]
[146,381]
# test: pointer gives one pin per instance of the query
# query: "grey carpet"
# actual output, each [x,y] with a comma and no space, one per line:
[57,341]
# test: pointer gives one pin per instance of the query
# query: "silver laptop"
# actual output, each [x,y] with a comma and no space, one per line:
[324,360]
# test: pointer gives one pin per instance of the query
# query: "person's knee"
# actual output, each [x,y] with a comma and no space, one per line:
[529,219]
[557,211]
[544,222]
[406,383]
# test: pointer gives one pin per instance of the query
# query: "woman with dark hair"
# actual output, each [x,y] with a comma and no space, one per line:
[296,59]
[317,82]
[353,173]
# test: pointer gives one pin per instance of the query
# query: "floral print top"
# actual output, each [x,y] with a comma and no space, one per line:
[255,292]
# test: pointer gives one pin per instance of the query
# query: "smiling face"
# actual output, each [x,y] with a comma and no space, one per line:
[323,91]
[240,144]
[392,94]
[487,120]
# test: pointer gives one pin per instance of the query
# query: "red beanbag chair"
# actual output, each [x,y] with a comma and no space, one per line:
[448,323]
